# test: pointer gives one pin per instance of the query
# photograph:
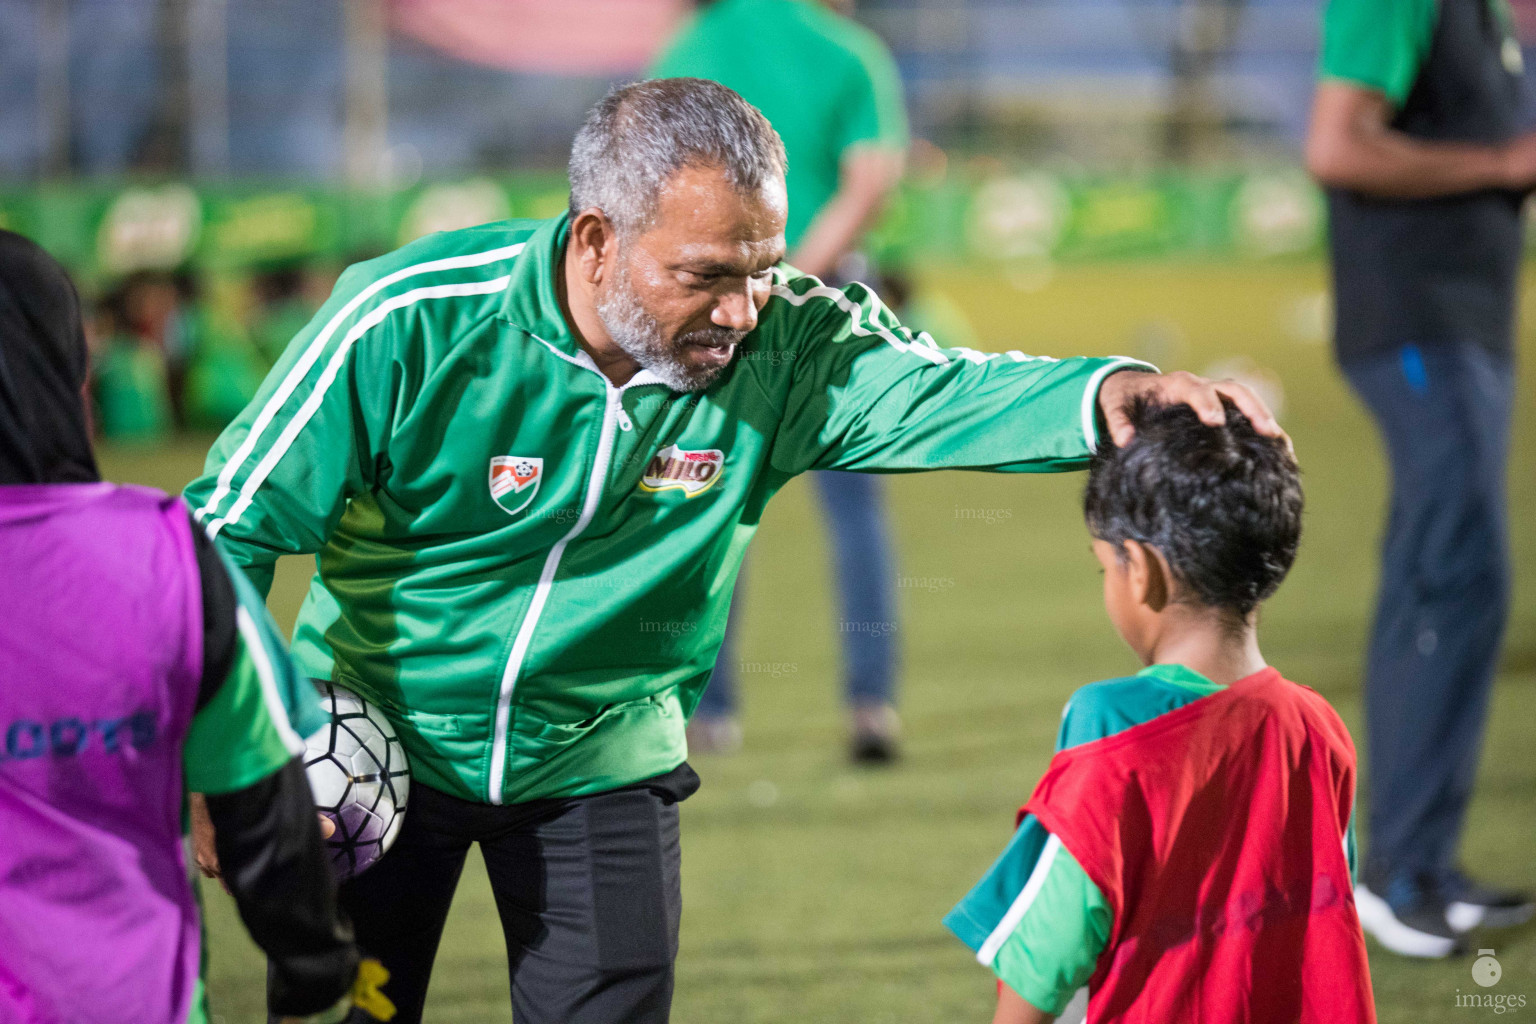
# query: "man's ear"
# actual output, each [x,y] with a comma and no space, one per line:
[1151,580]
[594,243]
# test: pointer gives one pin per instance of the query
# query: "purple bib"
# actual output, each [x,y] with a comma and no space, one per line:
[100,659]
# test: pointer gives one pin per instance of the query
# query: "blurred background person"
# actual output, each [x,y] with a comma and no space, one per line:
[830,88]
[284,297]
[130,380]
[1418,132]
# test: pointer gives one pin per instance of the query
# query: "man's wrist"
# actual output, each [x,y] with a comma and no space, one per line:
[1095,425]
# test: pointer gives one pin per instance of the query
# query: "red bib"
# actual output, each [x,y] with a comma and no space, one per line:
[1216,834]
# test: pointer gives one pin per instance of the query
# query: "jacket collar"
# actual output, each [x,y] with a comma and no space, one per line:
[531,302]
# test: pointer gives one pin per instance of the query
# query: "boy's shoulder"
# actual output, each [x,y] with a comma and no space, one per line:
[1109,706]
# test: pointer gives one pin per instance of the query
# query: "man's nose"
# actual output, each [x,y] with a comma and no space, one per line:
[736,310]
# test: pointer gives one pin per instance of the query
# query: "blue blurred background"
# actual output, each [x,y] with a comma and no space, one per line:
[260,88]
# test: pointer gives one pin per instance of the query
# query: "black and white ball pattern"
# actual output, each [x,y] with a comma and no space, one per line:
[358,774]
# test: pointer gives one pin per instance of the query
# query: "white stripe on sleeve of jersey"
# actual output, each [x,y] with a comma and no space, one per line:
[316,347]
[307,411]
[853,309]
[1010,922]
[1091,395]
[921,343]
[257,648]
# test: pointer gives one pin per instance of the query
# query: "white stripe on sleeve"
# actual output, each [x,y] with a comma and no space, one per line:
[307,411]
[255,644]
[1091,395]
[853,309]
[988,951]
[316,347]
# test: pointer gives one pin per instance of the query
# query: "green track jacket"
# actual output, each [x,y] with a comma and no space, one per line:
[527,568]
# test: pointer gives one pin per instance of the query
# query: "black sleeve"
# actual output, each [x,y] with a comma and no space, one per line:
[219,630]
[273,860]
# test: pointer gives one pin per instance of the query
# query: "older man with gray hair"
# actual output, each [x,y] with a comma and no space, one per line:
[530,457]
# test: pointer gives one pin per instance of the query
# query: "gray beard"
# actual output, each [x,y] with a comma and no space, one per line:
[639,335]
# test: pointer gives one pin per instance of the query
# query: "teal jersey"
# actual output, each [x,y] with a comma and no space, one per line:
[526,567]
[1036,918]
[826,83]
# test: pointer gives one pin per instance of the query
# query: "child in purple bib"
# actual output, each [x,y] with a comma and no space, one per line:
[134,664]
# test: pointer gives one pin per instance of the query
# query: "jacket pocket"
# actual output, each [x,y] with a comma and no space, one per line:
[621,744]
[444,726]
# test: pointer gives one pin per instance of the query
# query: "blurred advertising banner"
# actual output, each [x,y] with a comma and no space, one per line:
[993,215]
[588,37]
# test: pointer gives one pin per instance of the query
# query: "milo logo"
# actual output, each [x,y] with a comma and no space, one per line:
[690,472]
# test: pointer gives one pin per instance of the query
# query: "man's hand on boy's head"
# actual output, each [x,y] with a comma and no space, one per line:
[1181,388]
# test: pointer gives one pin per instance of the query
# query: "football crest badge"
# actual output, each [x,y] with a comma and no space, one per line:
[514,481]
[690,472]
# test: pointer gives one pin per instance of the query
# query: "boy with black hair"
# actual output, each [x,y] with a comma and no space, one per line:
[1189,853]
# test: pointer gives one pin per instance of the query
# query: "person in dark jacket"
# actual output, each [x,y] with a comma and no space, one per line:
[1418,134]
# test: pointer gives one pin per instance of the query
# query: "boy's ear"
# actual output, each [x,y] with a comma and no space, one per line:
[1151,583]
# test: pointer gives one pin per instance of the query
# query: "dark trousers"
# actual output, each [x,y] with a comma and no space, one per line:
[587,889]
[855,510]
[1444,414]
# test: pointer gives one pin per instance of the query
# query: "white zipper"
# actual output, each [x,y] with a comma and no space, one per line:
[613,411]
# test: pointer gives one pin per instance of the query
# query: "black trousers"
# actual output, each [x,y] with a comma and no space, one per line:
[587,889]
[1444,413]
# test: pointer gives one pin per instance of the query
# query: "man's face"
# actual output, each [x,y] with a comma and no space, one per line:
[688,287]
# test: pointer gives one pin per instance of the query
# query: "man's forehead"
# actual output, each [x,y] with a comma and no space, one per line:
[703,216]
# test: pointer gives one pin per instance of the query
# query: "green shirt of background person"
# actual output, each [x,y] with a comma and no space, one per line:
[129,385]
[225,369]
[845,152]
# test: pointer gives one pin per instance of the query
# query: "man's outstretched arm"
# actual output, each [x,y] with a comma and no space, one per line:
[870,395]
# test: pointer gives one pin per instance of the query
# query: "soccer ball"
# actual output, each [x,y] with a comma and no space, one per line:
[359,778]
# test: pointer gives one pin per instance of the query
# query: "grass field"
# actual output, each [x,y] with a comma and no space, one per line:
[814,892]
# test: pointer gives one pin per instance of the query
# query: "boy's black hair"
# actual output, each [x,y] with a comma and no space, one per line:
[1222,504]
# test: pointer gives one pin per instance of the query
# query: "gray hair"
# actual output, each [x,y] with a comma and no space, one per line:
[642,134]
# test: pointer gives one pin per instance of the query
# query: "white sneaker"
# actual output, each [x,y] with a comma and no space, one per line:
[1472,904]
[1418,930]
